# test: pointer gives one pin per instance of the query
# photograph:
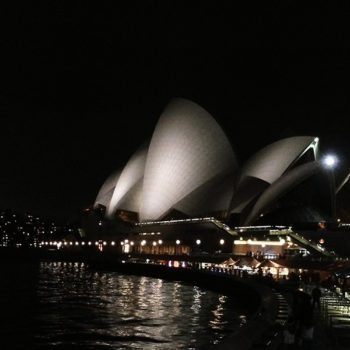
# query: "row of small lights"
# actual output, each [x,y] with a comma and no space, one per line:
[126,241]
[145,223]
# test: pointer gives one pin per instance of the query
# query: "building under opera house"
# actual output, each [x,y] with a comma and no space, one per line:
[184,192]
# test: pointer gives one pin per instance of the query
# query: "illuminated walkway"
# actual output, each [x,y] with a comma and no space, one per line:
[331,321]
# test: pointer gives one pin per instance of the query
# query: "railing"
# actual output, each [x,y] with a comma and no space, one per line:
[311,244]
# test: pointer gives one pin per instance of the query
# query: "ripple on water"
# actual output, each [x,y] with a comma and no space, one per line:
[68,305]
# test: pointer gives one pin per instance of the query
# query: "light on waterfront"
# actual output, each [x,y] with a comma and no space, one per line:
[178,241]
[330,161]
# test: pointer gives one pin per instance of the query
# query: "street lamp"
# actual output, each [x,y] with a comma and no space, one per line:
[330,161]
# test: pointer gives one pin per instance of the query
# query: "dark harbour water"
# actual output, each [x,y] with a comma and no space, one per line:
[63,305]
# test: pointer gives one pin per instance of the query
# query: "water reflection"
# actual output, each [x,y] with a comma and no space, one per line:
[75,307]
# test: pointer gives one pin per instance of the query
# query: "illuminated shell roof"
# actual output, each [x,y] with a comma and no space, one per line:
[284,184]
[273,160]
[249,189]
[106,191]
[129,180]
[188,149]
[189,167]
[213,196]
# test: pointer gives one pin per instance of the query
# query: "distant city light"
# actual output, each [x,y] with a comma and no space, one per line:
[198,241]
[222,241]
[178,241]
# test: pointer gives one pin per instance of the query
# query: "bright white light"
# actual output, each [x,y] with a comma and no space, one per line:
[330,161]
[143,242]
[222,241]
[160,241]
[198,241]
[178,241]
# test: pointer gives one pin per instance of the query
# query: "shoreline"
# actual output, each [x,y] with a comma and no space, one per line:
[258,298]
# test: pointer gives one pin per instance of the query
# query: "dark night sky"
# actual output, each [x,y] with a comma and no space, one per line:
[83,86]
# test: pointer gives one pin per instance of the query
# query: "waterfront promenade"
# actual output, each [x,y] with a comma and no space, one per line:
[331,320]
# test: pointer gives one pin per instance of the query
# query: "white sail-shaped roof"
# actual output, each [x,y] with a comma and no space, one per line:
[213,196]
[129,178]
[248,189]
[106,191]
[188,148]
[132,199]
[284,184]
[272,161]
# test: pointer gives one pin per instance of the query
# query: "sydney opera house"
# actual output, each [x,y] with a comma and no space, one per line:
[185,189]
